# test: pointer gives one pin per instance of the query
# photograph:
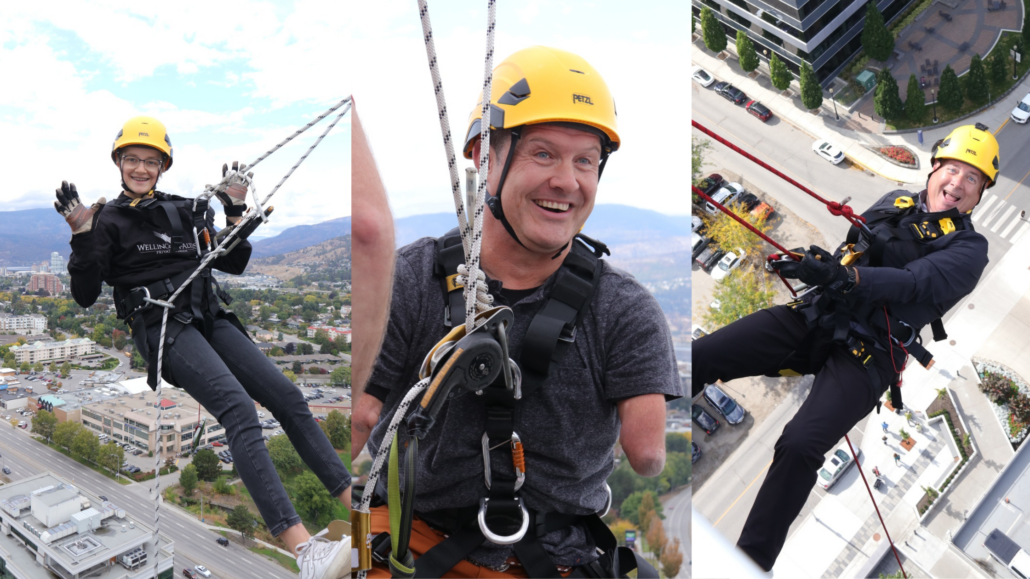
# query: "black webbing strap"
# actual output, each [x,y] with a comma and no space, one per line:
[449,255]
[444,556]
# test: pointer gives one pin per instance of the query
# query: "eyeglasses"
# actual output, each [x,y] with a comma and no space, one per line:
[130,162]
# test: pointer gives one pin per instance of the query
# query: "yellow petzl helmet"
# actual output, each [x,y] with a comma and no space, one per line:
[973,145]
[546,85]
[144,132]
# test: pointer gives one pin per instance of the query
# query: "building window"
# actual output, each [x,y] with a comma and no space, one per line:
[170,437]
[739,19]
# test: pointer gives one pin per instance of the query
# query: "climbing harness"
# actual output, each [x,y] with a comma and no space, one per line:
[861,239]
[164,292]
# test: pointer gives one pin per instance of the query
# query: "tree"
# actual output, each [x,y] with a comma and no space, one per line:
[297,368]
[888,103]
[730,235]
[340,376]
[284,456]
[44,423]
[698,148]
[188,479]
[811,90]
[66,369]
[38,367]
[119,343]
[998,68]
[110,456]
[208,466]
[950,95]
[65,433]
[645,512]
[712,30]
[289,349]
[746,52]
[630,507]
[223,487]
[86,445]
[9,360]
[312,499]
[676,442]
[242,521]
[672,558]
[877,40]
[976,81]
[339,429]
[779,74]
[291,376]
[739,295]
[25,368]
[915,101]
[656,539]
[1025,37]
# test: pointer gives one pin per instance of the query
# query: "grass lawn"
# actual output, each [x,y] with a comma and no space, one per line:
[284,560]
[100,470]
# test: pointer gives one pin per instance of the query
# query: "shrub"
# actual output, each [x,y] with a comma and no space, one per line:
[899,154]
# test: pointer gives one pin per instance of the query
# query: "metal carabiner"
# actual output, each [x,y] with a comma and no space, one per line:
[911,338]
[516,448]
[500,539]
[608,504]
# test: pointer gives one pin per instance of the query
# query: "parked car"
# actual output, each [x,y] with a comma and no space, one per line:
[699,244]
[727,264]
[702,77]
[703,419]
[1021,113]
[733,94]
[223,541]
[725,404]
[835,466]
[697,332]
[1008,552]
[763,211]
[758,110]
[709,257]
[710,183]
[725,195]
[695,452]
[7,470]
[828,151]
[748,200]
[103,498]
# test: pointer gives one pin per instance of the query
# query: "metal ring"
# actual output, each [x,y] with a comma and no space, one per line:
[500,539]
[607,505]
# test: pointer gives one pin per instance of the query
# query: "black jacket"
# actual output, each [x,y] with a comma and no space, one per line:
[128,247]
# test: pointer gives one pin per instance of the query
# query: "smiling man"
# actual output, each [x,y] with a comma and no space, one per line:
[855,331]
[592,344]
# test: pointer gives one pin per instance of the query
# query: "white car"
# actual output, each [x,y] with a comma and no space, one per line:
[836,465]
[727,264]
[724,195]
[202,570]
[1021,113]
[702,76]
[828,151]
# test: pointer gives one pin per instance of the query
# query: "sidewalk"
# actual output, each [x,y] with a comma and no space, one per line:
[851,133]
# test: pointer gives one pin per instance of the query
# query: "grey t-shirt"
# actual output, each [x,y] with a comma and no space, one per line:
[569,426]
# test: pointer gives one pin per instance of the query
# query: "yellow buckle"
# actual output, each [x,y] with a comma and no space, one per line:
[452,283]
[904,202]
[788,372]
[947,225]
[851,256]
[361,524]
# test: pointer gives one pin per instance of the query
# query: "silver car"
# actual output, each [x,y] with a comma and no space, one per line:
[835,466]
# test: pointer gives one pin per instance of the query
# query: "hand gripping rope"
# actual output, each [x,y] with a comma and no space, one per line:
[842,209]
[477,298]
[227,242]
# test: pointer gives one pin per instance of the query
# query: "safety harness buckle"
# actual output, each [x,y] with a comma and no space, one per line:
[502,539]
[518,457]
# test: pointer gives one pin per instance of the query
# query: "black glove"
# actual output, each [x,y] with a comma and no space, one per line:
[79,217]
[817,268]
[234,198]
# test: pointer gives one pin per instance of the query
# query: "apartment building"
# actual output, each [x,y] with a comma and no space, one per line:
[27,324]
[53,351]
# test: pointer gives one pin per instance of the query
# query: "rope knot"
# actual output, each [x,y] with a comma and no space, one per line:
[484,300]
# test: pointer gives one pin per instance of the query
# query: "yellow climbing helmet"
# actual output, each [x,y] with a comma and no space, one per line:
[146,132]
[973,145]
[546,85]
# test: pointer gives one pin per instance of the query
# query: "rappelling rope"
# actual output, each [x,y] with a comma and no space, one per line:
[476,294]
[168,303]
[844,211]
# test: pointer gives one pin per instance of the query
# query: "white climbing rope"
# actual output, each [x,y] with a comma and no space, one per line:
[167,304]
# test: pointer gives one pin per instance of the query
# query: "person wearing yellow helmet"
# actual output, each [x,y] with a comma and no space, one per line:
[855,330]
[146,244]
[593,350]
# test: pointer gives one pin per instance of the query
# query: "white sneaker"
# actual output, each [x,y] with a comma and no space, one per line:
[321,558]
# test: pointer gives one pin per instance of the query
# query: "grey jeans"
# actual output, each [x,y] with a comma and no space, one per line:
[226,375]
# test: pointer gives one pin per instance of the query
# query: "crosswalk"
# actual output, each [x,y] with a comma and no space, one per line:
[1000,218]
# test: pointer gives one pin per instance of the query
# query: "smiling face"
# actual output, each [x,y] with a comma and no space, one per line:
[551,184]
[139,179]
[954,185]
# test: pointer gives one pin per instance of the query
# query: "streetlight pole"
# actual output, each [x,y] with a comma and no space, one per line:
[933,94]
[834,104]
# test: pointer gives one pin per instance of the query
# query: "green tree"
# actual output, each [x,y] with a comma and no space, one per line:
[284,456]
[888,103]
[297,368]
[340,376]
[779,74]
[877,40]
[242,521]
[976,81]
[739,295]
[66,369]
[290,376]
[9,360]
[646,512]
[44,423]
[1025,37]
[64,433]
[86,445]
[630,507]
[915,101]
[698,148]
[676,442]
[712,30]
[950,95]
[811,91]
[746,52]
[38,367]
[339,429]
[188,479]
[25,368]
[111,456]
[311,498]
[223,487]
[998,68]
[208,466]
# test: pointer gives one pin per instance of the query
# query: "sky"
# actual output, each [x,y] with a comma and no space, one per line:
[641,50]
[229,79]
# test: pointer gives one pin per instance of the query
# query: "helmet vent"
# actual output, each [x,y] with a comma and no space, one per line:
[576,71]
[516,94]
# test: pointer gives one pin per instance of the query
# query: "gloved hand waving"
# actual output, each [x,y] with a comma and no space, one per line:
[79,217]
[234,198]
[817,268]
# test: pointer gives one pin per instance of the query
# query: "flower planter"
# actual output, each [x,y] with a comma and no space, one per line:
[888,406]
[908,443]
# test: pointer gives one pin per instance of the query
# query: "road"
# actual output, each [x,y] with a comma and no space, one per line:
[194,544]
[677,525]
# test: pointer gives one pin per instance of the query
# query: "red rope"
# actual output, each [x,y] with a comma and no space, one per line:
[842,209]
[741,221]
[877,507]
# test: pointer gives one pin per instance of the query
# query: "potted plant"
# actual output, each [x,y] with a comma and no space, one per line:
[907,442]
[888,402]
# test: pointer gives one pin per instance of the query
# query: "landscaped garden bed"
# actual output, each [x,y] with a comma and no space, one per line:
[1010,397]
[898,154]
